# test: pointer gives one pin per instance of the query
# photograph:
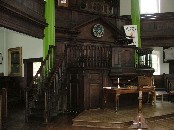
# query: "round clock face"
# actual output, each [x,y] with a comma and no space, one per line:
[98,30]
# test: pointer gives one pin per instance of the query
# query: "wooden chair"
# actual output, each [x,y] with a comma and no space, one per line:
[169,85]
[165,91]
[148,82]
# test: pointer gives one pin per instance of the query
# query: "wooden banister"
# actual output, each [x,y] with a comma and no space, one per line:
[88,56]
[46,83]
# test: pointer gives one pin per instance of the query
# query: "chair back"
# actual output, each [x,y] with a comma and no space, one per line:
[145,81]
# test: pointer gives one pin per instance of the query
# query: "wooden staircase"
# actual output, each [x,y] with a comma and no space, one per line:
[79,71]
[45,93]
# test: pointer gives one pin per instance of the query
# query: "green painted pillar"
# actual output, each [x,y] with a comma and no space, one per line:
[135,15]
[49,32]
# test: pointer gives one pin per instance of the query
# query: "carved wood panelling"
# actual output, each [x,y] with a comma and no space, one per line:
[34,8]
[156,28]
[158,32]
[103,6]
[157,41]
[94,89]
[123,57]
[19,25]
[149,26]
[74,17]
[95,95]
[19,17]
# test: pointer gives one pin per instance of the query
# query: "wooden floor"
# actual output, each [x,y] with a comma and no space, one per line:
[64,122]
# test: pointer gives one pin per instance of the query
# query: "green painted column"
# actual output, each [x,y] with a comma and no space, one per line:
[49,32]
[135,15]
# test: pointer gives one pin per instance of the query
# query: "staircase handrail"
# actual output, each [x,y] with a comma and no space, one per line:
[61,63]
[43,63]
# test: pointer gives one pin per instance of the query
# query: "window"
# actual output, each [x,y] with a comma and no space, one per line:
[63,3]
[36,66]
[149,6]
[156,62]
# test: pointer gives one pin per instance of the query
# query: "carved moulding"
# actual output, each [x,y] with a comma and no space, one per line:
[14,19]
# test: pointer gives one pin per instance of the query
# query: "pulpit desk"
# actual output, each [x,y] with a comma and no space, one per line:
[119,91]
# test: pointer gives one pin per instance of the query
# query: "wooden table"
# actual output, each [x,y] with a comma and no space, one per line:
[119,91]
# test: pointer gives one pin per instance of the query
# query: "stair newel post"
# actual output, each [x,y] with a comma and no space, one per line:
[49,60]
[53,56]
[26,105]
[46,68]
[48,63]
[4,108]
[46,106]
[110,57]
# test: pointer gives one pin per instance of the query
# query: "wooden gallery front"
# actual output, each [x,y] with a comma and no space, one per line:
[97,54]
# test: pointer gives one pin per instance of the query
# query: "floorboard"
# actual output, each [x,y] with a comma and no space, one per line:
[159,117]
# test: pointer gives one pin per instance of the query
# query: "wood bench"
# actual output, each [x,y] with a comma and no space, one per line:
[169,85]
[172,96]
[160,93]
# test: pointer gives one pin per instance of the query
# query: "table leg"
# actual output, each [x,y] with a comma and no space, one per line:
[105,99]
[153,98]
[116,102]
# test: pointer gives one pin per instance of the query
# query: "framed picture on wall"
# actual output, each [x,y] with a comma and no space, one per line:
[15,61]
[1,58]
[168,54]
[63,3]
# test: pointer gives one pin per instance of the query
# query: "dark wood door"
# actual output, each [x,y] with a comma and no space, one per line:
[95,89]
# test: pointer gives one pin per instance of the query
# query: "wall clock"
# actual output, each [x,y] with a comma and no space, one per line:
[98,30]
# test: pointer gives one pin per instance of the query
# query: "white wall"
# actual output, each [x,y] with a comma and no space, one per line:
[31,47]
[125,7]
[164,67]
[166,6]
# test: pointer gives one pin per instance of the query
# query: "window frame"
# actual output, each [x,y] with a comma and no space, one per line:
[149,11]
[63,3]
[157,62]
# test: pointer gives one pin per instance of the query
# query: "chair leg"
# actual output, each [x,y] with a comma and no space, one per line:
[172,98]
[169,98]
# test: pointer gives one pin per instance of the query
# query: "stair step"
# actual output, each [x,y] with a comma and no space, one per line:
[36,111]
[36,118]
[39,104]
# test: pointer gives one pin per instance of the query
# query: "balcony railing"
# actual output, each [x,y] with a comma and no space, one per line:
[88,56]
[99,7]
